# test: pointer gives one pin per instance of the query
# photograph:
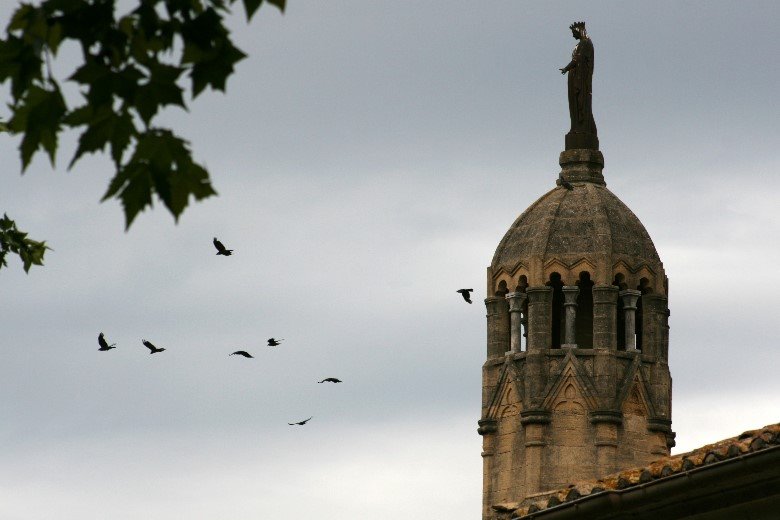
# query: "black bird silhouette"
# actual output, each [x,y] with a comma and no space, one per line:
[103,344]
[566,184]
[242,353]
[274,342]
[221,250]
[466,293]
[330,380]
[301,423]
[152,348]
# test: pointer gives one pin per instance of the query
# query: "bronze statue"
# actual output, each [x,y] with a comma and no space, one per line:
[580,69]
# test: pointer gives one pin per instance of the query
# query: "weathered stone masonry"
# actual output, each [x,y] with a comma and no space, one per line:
[576,384]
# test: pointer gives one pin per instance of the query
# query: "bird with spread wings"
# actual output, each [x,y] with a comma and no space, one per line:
[103,343]
[151,347]
[221,249]
[466,293]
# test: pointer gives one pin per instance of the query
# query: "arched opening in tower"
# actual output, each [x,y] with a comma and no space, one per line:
[644,288]
[620,321]
[557,309]
[584,321]
[522,285]
[503,325]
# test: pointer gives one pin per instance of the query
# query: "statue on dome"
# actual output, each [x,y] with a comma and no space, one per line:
[580,70]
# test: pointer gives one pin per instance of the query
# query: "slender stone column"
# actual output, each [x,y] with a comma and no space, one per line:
[487,428]
[607,445]
[516,300]
[664,342]
[605,317]
[524,321]
[535,423]
[570,293]
[630,297]
[497,326]
[605,368]
[539,316]
[653,317]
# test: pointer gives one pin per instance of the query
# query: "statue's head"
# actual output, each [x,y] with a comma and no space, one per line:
[578,30]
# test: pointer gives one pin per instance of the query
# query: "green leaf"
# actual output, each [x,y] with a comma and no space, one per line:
[278,3]
[133,186]
[20,17]
[127,81]
[192,180]
[250,6]
[12,240]
[79,116]
[90,72]
[54,37]
[129,69]
[215,70]
[207,46]
[6,223]
[104,126]
[21,63]
[121,134]
[100,79]
[159,91]
[118,182]
[161,164]
[176,177]
[31,22]
[39,116]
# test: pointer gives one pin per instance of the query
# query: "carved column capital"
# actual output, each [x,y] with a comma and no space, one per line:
[570,293]
[515,300]
[630,297]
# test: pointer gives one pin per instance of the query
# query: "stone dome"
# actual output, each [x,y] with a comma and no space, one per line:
[579,226]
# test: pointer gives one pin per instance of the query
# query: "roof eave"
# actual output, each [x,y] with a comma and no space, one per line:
[751,480]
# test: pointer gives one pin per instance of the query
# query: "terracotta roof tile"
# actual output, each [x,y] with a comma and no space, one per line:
[748,442]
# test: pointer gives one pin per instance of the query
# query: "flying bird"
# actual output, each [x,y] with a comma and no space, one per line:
[152,348]
[301,423]
[566,184]
[242,353]
[466,293]
[330,380]
[103,344]
[274,342]
[221,249]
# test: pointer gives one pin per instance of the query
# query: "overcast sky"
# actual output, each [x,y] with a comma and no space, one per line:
[369,157]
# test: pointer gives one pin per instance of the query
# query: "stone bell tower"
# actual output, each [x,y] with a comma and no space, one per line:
[576,384]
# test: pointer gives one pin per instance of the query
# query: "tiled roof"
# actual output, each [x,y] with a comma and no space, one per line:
[749,442]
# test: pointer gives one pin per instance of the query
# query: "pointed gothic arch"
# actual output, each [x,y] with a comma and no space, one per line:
[584,321]
[556,309]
